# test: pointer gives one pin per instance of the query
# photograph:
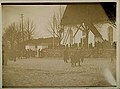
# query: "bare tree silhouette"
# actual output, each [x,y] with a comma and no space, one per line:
[55,28]
[29,29]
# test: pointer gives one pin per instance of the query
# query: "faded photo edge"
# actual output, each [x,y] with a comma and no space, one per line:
[118,45]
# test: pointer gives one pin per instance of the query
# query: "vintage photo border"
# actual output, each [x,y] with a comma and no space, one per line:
[69,1]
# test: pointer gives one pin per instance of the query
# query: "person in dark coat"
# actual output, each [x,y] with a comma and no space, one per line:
[75,58]
[66,56]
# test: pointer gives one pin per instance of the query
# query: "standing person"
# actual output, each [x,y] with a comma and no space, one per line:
[72,57]
[78,57]
[5,55]
[82,54]
[14,54]
[39,53]
[75,58]
[66,56]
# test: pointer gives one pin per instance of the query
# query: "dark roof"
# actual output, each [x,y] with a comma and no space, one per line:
[84,12]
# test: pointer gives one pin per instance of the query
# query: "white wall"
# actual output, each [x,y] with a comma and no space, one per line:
[102,28]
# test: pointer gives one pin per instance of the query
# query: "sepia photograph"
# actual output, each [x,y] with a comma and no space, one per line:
[59,45]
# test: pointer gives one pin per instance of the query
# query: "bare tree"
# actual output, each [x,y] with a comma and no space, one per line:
[9,41]
[10,35]
[29,29]
[55,28]
[13,33]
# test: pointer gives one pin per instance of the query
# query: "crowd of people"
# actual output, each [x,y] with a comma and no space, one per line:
[75,57]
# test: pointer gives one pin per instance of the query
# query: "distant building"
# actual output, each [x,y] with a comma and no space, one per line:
[36,48]
[110,34]
[40,44]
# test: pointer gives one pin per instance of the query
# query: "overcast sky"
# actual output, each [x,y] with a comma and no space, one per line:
[40,14]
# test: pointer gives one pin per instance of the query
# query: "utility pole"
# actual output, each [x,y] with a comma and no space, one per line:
[54,31]
[22,16]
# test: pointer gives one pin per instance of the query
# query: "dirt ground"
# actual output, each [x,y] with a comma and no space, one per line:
[53,72]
